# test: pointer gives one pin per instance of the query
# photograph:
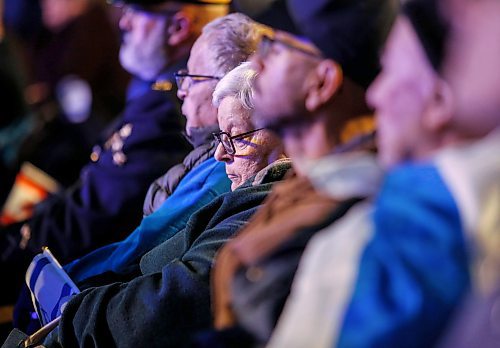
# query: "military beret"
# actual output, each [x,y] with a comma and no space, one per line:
[157,2]
[431,27]
[351,32]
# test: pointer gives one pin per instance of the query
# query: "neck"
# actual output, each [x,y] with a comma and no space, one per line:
[309,140]
[433,143]
[322,132]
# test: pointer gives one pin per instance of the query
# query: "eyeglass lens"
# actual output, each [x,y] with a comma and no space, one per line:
[227,142]
[184,80]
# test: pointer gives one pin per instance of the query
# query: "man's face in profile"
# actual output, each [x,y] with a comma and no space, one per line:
[283,63]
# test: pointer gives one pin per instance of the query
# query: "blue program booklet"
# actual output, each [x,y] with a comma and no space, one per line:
[50,286]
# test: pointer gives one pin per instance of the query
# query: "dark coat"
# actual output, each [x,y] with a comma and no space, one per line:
[171,299]
[106,204]
[82,53]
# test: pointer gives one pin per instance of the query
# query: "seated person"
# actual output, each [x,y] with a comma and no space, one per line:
[393,276]
[253,272]
[171,297]
[170,216]
[205,178]
[105,205]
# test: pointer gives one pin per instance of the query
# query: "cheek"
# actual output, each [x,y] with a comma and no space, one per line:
[245,168]
[394,129]
[189,113]
[403,106]
[400,121]
[191,107]
[272,83]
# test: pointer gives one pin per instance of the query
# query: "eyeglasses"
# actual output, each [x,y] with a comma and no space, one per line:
[183,76]
[227,140]
[267,42]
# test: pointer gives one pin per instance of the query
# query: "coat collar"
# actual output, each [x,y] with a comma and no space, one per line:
[345,175]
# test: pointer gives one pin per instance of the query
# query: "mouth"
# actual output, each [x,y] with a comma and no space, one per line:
[232,176]
[124,37]
[182,111]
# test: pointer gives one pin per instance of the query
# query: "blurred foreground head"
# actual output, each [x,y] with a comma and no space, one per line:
[440,78]
[57,14]
[312,87]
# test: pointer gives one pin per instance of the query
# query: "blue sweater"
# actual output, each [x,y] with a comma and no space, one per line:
[414,271]
[202,184]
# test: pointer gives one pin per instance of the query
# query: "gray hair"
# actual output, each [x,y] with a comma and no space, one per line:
[232,39]
[237,83]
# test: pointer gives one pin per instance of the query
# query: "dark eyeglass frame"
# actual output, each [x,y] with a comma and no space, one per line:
[181,76]
[267,42]
[232,149]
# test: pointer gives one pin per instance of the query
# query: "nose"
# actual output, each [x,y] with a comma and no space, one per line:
[181,94]
[375,91]
[125,20]
[221,155]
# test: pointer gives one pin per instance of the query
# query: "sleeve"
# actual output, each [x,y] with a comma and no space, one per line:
[161,308]
[71,226]
[198,188]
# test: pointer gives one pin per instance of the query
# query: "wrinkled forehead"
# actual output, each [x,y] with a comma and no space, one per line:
[232,113]
[200,58]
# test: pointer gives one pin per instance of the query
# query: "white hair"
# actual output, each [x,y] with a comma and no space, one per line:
[237,83]
[232,39]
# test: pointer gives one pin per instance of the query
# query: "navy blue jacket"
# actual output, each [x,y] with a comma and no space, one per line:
[106,204]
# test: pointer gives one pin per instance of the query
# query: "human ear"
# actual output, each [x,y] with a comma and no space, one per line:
[179,29]
[325,82]
[439,113]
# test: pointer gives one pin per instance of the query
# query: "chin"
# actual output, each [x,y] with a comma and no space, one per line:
[144,67]
[235,185]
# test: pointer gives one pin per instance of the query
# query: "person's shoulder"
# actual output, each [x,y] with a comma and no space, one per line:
[414,196]
[147,97]
[412,179]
